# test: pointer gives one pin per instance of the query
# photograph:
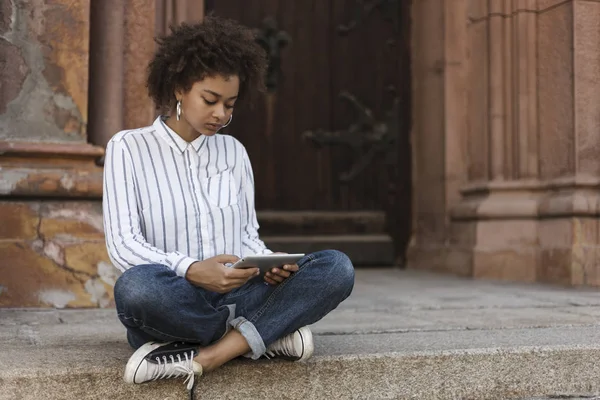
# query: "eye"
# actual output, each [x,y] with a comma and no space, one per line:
[210,103]
[229,107]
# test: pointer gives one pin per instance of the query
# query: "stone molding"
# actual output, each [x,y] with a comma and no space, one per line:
[38,170]
[554,198]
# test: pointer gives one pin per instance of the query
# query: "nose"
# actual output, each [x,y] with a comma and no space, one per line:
[219,111]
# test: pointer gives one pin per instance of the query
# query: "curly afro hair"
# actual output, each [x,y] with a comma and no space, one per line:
[190,53]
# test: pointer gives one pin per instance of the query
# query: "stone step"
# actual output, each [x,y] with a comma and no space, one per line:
[402,334]
[320,222]
[363,250]
[85,360]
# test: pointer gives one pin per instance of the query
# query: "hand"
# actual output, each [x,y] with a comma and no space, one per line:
[211,274]
[278,275]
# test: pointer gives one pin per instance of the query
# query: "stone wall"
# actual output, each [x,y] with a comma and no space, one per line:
[509,187]
[51,236]
[54,255]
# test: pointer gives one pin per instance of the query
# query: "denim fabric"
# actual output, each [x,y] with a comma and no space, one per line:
[155,304]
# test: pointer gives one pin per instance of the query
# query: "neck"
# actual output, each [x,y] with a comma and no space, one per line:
[182,128]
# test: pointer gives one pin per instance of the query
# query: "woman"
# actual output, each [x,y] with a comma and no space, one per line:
[179,206]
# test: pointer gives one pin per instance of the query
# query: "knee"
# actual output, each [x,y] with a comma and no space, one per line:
[135,288]
[339,267]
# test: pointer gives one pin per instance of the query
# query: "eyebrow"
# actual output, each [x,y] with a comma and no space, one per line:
[218,95]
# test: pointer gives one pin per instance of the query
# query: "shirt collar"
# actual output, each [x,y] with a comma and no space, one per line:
[173,139]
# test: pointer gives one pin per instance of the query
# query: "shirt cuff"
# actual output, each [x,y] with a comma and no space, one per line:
[180,263]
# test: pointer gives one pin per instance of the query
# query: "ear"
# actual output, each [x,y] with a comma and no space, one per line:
[178,94]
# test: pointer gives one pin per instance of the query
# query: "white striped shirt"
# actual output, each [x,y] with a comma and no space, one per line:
[170,202]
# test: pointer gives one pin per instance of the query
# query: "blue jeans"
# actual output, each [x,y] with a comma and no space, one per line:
[155,304]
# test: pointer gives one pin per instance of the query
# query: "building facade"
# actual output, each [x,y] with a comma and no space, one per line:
[501,142]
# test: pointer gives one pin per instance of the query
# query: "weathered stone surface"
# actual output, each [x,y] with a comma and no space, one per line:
[569,251]
[513,264]
[61,220]
[13,72]
[548,5]
[585,252]
[33,170]
[84,257]
[556,94]
[90,259]
[441,259]
[65,45]
[477,97]
[30,279]
[6,8]
[478,9]
[20,221]
[587,86]
[47,97]
[54,255]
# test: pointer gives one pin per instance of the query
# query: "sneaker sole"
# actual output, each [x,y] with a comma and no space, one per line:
[136,359]
[308,345]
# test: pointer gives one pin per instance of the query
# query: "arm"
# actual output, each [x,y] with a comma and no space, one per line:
[251,243]
[126,245]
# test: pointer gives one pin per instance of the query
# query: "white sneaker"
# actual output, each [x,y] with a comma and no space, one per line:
[297,346]
[156,360]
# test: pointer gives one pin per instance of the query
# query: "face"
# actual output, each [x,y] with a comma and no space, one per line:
[209,103]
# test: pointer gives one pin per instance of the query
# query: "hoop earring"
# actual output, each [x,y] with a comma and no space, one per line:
[228,122]
[178,110]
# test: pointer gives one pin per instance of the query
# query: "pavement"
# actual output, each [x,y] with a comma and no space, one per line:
[402,334]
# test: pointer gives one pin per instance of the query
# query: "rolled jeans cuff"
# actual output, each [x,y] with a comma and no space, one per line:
[249,332]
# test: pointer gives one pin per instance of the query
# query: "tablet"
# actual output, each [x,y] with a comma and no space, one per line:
[266,262]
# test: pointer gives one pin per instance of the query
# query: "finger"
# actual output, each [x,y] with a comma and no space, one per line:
[280,272]
[270,281]
[275,277]
[291,267]
[226,258]
[241,273]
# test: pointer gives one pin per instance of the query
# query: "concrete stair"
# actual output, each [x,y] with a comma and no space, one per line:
[360,234]
[94,371]
[401,335]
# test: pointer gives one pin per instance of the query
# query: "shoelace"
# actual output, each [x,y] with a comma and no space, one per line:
[281,347]
[166,369]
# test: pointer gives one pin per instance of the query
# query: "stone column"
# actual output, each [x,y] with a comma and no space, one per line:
[527,207]
[439,131]
[569,141]
[177,11]
[499,204]
[139,46]
[122,40]
[107,36]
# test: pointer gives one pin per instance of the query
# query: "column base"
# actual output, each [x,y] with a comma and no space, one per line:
[51,236]
[521,231]
[54,255]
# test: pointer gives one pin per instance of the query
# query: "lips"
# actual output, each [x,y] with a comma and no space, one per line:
[214,126]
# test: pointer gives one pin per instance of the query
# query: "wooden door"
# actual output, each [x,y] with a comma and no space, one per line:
[336,72]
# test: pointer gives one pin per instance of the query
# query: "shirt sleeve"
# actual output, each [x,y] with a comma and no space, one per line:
[126,245]
[251,243]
